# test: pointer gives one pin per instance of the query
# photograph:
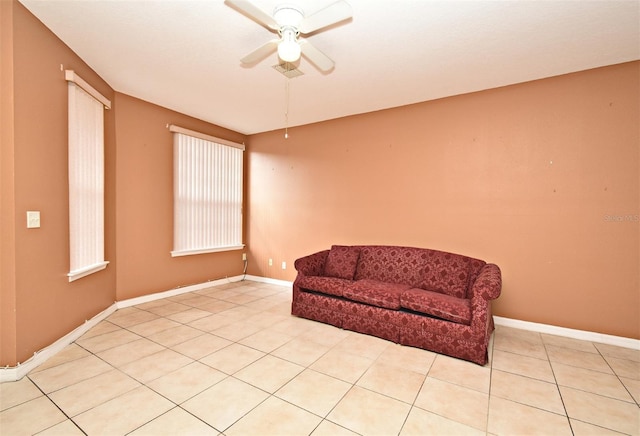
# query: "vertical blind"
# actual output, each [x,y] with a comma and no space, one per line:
[86,181]
[207,194]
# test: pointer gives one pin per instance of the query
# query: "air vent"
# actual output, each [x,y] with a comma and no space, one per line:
[288,69]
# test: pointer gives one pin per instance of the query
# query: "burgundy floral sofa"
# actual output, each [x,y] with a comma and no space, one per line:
[412,296]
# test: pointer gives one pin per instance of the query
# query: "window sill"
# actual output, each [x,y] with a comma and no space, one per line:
[178,253]
[83,272]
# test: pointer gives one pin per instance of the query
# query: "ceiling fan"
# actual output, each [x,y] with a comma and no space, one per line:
[289,22]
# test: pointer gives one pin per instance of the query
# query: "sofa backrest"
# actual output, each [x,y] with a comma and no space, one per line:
[403,265]
[450,273]
[433,270]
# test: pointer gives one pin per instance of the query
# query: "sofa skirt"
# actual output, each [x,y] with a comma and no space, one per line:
[456,340]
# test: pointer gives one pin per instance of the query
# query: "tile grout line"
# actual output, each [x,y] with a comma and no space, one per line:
[493,345]
[599,353]
[236,342]
[57,407]
[555,379]
[617,375]
[413,404]
[122,372]
[305,367]
[354,384]
[227,376]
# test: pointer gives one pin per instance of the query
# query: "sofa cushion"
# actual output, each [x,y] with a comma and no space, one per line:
[446,273]
[392,264]
[376,293]
[341,262]
[326,285]
[434,303]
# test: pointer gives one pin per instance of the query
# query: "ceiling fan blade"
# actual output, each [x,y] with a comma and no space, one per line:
[255,13]
[261,52]
[315,56]
[334,13]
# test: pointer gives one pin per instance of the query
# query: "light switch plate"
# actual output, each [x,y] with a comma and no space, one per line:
[33,219]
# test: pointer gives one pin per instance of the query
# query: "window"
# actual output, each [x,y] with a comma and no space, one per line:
[86,177]
[207,189]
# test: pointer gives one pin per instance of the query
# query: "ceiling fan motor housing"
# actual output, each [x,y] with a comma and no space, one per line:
[288,16]
[289,21]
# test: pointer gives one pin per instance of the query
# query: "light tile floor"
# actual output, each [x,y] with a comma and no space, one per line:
[232,360]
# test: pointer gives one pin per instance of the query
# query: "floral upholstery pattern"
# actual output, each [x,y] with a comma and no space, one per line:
[312,265]
[341,262]
[371,320]
[376,293]
[475,266]
[446,273]
[320,308]
[417,297]
[488,283]
[441,305]
[402,265]
[326,285]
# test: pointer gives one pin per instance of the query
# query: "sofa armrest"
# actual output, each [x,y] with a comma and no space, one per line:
[488,284]
[312,265]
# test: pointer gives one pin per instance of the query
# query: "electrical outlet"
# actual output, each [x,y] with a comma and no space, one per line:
[270,262]
[284,265]
[244,256]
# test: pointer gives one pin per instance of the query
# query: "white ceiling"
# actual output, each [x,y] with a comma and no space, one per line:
[184,54]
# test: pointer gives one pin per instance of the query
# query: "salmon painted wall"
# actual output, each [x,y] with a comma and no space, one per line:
[145,203]
[35,286]
[38,305]
[541,178]
[7,196]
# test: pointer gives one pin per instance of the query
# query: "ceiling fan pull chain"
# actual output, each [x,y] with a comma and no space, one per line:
[286,111]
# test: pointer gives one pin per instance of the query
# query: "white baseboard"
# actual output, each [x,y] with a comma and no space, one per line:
[584,335]
[177,291]
[268,280]
[39,357]
[15,373]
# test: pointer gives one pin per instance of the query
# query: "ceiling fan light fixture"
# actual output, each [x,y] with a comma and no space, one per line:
[289,22]
[288,47]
